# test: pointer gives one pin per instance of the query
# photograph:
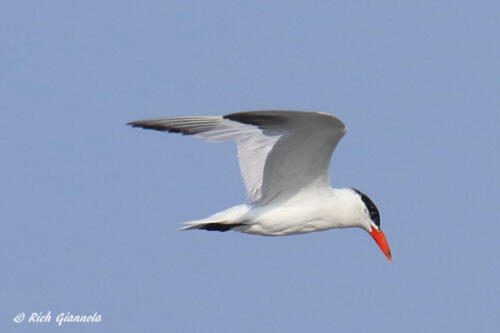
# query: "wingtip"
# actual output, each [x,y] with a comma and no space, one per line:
[147,124]
[133,123]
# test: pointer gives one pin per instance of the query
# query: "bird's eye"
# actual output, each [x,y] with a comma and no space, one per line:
[370,208]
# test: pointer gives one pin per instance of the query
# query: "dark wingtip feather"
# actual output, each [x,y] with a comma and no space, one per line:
[134,124]
[145,124]
[158,125]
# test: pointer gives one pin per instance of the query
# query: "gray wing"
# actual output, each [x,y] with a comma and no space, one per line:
[280,152]
[300,158]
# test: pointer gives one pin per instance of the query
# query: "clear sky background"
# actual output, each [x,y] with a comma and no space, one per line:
[89,207]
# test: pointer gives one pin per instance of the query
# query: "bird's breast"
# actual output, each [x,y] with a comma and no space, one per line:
[288,218]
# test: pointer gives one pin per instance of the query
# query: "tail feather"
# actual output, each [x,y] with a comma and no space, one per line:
[223,221]
[210,226]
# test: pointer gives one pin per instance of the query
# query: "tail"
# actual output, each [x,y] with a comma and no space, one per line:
[210,225]
[222,221]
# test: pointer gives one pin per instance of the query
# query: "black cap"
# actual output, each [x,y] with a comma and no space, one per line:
[372,209]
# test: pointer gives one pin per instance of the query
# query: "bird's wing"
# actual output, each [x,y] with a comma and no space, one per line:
[280,152]
[301,156]
[253,146]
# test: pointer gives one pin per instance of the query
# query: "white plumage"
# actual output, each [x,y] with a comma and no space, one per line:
[284,158]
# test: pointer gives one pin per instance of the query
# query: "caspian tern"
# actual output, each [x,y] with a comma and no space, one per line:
[284,158]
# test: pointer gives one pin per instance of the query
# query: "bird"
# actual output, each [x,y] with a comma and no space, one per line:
[284,158]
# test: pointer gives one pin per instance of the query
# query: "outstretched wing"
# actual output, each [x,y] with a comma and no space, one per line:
[280,152]
[253,146]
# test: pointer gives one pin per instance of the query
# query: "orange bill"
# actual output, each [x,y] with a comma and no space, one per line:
[379,238]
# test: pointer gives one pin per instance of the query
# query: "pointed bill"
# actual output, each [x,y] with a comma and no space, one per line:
[380,239]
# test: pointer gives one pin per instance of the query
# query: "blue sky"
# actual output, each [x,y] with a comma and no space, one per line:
[90,207]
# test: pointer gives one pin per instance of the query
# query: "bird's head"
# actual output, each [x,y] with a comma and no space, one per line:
[371,223]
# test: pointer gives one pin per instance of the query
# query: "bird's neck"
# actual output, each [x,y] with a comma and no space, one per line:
[343,209]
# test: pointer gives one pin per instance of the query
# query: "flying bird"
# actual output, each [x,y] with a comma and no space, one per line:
[284,157]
